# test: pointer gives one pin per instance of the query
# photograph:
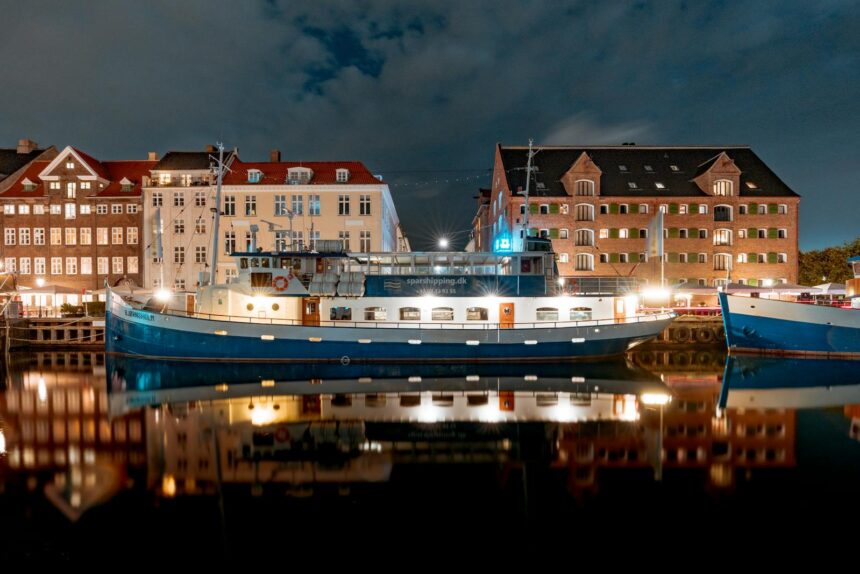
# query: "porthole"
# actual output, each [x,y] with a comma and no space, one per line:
[275,306]
[249,307]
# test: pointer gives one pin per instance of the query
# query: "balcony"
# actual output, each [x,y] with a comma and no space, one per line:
[176,182]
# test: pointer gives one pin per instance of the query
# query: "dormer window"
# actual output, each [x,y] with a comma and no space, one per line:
[622,168]
[254,175]
[299,175]
[126,185]
[342,175]
[751,185]
[29,185]
[723,187]
[674,168]
[659,185]
[632,185]
[649,168]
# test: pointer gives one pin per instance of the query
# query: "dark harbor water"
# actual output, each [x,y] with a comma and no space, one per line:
[681,451]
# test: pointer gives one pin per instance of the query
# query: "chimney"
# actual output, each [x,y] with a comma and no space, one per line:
[275,155]
[211,148]
[153,156]
[26,146]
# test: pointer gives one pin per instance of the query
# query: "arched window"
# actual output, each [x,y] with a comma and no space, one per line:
[442,314]
[722,261]
[584,237]
[584,212]
[375,314]
[722,237]
[547,314]
[584,187]
[476,314]
[723,187]
[580,314]
[584,262]
[723,213]
[410,314]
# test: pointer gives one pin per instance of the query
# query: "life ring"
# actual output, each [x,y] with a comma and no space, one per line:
[280,283]
[704,335]
[682,334]
[704,358]
[282,434]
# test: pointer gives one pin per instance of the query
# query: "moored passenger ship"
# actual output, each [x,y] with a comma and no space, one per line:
[433,306]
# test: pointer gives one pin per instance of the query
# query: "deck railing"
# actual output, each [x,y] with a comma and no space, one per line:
[436,325]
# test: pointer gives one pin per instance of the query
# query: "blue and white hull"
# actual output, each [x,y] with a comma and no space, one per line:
[155,335]
[779,327]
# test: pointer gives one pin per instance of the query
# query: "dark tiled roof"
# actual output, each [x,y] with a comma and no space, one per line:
[553,162]
[11,161]
[94,164]
[189,160]
[275,173]
[32,173]
[119,170]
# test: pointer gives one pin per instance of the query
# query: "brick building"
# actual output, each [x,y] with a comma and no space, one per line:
[726,214]
[74,222]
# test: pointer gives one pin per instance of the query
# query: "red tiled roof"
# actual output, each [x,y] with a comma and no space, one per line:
[275,173]
[31,173]
[133,170]
[94,164]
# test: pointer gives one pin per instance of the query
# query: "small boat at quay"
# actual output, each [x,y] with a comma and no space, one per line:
[757,325]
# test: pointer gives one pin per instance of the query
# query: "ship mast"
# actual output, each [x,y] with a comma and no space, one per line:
[217,214]
[525,223]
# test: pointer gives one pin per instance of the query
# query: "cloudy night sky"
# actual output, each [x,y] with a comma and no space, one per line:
[422,93]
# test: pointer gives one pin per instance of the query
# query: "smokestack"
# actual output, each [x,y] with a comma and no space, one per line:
[26,146]
[275,155]
[153,156]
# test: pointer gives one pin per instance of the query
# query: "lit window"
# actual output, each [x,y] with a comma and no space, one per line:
[547,314]
[442,314]
[659,185]
[632,185]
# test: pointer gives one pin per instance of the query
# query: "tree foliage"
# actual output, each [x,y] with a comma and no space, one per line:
[828,265]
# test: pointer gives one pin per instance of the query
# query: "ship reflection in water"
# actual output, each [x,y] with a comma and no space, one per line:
[401,447]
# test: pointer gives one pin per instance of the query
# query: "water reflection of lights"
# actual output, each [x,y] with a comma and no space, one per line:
[168,485]
[42,390]
[2,442]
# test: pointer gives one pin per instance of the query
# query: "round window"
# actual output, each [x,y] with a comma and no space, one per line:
[250,307]
[275,306]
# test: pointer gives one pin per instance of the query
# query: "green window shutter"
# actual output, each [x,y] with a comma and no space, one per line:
[533,231]
[752,209]
[772,233]
[634,208]
[553,233]
[752,257]
[673,257]
[771,257]
[753,282]
[633,233]
[553,208]
[692,257]
[693,233]
[613,258]
[752,233]
[772,208]
[533,208]
[694,208]
[673,232]
[633,257]
[613,208]
[613,233]
[673,208]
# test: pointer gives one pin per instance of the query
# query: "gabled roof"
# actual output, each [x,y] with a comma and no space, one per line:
[553,162]
[94,164]
[31,173]
[132,170]
[189,160]
[11,161]
[325,172]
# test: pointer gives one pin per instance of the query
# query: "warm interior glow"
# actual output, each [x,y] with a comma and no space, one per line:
[654,399]
[262,415]
[655,293]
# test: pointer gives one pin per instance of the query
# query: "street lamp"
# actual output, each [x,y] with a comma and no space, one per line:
[443,243]
[40,282]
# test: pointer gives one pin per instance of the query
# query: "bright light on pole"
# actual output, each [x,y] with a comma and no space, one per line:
[163,295]
[443,243]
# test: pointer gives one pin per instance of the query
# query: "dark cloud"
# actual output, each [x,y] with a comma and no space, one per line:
[421,93]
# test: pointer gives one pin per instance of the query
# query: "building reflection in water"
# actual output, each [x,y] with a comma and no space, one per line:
[197,429]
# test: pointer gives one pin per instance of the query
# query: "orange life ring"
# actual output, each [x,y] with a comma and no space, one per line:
[282,434]
[280,283]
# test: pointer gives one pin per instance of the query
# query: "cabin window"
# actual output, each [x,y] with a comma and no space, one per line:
[580,314]
[547,314]
[375,314]
[243,263]
[261,279]
[340,314]
[255,262]
[442,314]
[476,314]
[410,314]
[264,262]
[275,307]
